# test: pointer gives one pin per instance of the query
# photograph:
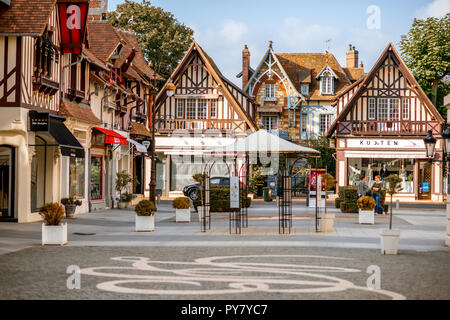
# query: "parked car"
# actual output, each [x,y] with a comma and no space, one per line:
[191,189]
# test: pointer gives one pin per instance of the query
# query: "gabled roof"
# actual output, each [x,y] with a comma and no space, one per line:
[283,71]
[78,112]
[300,66]
[215,73]
[103,40]
[25,17]
[327,69]
[369,77]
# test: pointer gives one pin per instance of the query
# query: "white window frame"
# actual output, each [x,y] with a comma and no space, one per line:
[180,108]
[405,109]
[213,106]
[387,104]
[371,109]
[326,83]
[273,121]
[304,89]
[270,90]
[327,122]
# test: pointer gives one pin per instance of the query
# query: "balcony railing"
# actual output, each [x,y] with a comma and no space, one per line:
[109,104]
[168,125]
[377,127]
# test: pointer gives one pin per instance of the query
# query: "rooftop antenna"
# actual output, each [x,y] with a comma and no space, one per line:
[328,48]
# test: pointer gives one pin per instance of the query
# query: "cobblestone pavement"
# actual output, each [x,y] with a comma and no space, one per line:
[222,273]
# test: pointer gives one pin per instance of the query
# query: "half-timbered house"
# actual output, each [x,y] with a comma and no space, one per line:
[205,111]
[34,140]
[293,92]
[381,123]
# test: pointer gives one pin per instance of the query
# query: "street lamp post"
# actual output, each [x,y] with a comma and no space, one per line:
[430,145]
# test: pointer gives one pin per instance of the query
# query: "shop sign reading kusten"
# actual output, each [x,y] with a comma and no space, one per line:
[386,143]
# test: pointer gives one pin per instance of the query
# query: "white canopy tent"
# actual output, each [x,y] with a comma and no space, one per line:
[263,141]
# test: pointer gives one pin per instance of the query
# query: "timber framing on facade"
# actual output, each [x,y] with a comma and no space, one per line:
[379,130]
[197,77]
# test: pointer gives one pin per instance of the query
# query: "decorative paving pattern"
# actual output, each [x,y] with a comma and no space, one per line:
[228,275]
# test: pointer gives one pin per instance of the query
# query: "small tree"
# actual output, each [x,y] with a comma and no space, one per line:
[123,179]
[393,186]
[200,178]
[329,183]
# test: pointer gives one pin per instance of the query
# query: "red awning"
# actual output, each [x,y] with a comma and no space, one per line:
[112,137]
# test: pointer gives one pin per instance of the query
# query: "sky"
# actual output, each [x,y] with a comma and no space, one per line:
[223,27]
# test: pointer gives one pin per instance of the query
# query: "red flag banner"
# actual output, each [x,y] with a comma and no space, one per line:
[72,23]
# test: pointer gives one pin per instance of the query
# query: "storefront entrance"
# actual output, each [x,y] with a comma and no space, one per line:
[7,174]
[424,182]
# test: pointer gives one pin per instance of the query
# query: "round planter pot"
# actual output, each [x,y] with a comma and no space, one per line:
[389,241]
[366,217]
[54,234]
[122,205]
[70,210]
[183,215]
[144,223]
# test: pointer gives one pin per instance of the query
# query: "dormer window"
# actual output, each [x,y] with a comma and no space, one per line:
[304,89]
[326,83]
[326,78]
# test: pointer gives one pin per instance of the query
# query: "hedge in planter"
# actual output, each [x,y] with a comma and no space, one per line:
[220,199]
[348,196]
[337,203]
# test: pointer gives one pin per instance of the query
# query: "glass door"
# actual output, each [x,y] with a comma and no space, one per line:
[424,182]
[96,177]
[7,174]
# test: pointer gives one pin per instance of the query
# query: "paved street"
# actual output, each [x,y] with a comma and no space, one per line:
[177,261]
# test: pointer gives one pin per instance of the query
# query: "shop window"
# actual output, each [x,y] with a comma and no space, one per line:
[76,177]
[372,167]
[96,177]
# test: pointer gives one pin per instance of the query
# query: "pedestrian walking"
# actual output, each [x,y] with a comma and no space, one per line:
[362,186]
[376,194]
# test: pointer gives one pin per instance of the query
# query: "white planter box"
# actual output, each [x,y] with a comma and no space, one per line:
[54,234]
[366,216]
[145,223]
[326,223]
[389,241]
[183,215]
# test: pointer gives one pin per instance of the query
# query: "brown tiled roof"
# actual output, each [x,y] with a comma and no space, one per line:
[73,110]
[139,129]
[354,73]
[297,65]
[102,38]
[25,17]
[139,61]
[93,58]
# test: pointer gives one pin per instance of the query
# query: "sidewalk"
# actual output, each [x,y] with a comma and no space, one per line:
[420,230]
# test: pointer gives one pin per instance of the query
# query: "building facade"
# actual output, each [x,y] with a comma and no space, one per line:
[381,123]
[294,92]
[205,111]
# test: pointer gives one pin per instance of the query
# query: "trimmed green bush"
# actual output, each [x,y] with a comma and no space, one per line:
[337,203]
[348,196]
[181,203]
[145,208]
[349,207]
[220,199]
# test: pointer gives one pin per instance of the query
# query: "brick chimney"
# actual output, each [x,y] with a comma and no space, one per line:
[245,66]
[352,57]
[98,10]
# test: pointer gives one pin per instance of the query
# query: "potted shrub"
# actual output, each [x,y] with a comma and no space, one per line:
[389,237]
[366,205]
[145,216]
[123,179]
[182,209]
[70,204]
[53,231]
[200,179]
